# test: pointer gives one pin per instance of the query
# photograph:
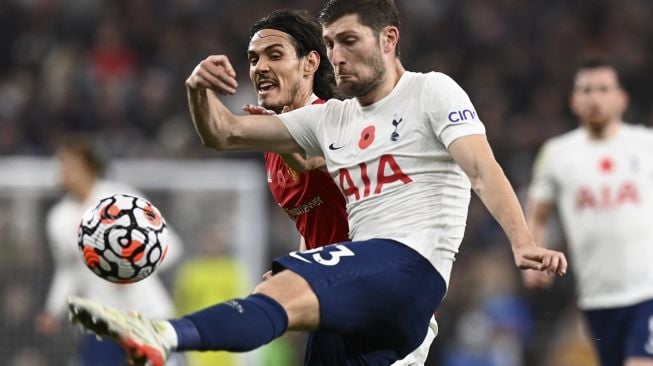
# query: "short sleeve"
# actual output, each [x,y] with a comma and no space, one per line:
[543,185]
[449,109]
[303,124]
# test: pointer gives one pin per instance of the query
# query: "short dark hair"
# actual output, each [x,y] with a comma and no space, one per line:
[306,34]
[82,145]
[599,62]
[376,14]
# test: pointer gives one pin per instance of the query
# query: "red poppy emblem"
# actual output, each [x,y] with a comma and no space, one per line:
[606,165]
[367,137]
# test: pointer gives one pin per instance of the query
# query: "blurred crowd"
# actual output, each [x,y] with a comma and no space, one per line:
[116,69]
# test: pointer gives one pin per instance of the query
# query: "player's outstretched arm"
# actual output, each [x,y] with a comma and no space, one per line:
[474,155]
[295,161]
[217,126]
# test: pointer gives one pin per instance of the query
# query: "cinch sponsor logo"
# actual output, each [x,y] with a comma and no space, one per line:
[464,115]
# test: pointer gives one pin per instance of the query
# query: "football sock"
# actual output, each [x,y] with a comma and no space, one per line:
[168,332]
[237,325]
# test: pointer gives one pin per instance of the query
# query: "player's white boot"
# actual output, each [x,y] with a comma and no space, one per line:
[141,338]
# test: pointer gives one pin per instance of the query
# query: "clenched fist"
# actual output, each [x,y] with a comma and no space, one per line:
[216,73]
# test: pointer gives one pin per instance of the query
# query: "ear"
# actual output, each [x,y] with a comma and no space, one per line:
[311,63]
[389,39]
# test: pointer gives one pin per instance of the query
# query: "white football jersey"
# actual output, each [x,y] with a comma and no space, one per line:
[604,194]
[72,277]
[391,162]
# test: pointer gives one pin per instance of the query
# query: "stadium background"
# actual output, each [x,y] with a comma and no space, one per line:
[115,69]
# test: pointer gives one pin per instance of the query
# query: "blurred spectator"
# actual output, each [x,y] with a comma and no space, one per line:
[212,275]
[27,356]
[119,61]
[209,277]
[494,323]
[571,347]
[80,169]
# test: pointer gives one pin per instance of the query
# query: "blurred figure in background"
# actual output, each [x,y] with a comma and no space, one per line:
[211,276]
[80,173]
[494,322]
[571,346]
[600,177]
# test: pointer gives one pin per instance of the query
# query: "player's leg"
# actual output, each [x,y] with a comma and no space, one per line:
[388,293]
[608,333]
[639,341]
[235,325]
[418,357]
[337,347]
[297,298]
[375,301]
[95,352]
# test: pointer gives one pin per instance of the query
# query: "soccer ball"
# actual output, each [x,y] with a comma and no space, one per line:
[123,238]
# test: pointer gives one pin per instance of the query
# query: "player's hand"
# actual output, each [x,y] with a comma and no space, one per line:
[536,279]
[255,109]
[541,259]
[258,110]
[216,73]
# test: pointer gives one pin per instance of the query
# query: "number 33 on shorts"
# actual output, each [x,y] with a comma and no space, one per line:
[328,255]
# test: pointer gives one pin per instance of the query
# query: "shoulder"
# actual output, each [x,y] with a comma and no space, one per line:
[335,108]
[60,208]
[437,86]
[434,76]
[412,79]
[314,111]
[336,104]
[558,147]
[570,138]
[638,131]
[436,79]
[61,212]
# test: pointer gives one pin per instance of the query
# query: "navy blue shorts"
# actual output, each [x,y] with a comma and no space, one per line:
[94,352]
[376,299]
[620,333]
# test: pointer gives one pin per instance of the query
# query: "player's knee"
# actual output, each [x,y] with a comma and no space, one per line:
[296,296]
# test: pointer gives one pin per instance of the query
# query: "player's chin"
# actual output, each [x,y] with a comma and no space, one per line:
[348,88]
[597,118]
[266,101]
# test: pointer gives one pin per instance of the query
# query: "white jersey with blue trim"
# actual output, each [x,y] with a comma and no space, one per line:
[604,193]
[391,162]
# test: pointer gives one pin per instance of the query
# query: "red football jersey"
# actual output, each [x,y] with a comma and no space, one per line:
[311,199]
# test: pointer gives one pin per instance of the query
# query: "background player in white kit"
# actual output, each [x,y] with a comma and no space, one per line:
[600,178]
[80,174]
[403,153]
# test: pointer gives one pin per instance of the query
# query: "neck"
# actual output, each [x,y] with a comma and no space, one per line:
[302,97]
[394,71]
[82,190]
[303,101]
[603,132]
